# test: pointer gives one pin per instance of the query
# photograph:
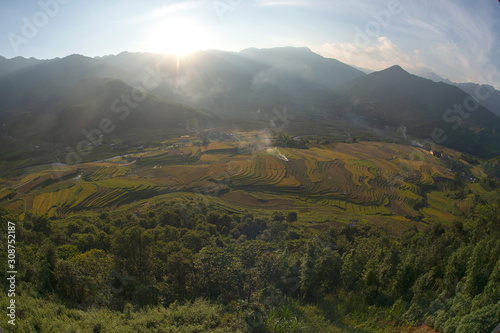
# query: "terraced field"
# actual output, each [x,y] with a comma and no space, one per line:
[359,179]
[107,172]
[89,195]
[365,178]
[184,155]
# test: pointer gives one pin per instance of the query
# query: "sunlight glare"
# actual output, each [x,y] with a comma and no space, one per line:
[179,37]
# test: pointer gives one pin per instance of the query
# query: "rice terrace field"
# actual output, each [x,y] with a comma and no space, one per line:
[373,181]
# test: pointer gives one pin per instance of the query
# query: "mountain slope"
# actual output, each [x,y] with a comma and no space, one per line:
[233,83]
[94,112]
[433,76]
[28,86]
[227,83]
[395,97]
[486,95]
[303,64]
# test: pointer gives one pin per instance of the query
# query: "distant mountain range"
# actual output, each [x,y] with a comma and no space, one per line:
[491,99]
[55,100]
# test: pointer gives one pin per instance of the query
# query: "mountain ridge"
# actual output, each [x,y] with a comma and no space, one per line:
[235,85]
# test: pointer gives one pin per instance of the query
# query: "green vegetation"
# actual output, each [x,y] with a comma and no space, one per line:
[190,265]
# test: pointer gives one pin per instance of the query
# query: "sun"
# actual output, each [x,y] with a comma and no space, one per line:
[178,37]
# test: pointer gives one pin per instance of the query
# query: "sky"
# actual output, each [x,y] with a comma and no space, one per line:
[457,39]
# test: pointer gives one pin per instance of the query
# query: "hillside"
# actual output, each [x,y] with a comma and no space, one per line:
[374,181]
[302,64]
[286,166]
[394,97]
[28,86]
[486,95]
[489,96]
[8,66]
[97,112]
[222,82]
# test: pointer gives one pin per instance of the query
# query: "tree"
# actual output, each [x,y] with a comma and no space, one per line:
[218,272]
[195,239]
[482,320]
[205,142]
[85,278]
[47,268]
[133,247]
[179,271]
[457,182]
[380,269]
[478,268]
[285,140]
[291,217]
[320,269]
[252,228]
[456,266]
[95,268]
[42,224]
[355,261]
[278,216]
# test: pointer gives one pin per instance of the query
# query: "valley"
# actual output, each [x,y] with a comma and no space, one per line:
[380,183]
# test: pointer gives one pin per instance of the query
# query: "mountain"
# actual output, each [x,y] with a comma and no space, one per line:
[8,66]
[362,69]
[93,111]
[228,83]
[301,64]
[234,83]
[433,76]
[393,97]
[486,95]
[94,99]
[29,85]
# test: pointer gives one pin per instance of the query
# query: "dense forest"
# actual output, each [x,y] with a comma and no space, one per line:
[187,265]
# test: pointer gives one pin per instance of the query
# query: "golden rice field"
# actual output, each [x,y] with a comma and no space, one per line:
[361,179]
[107,172]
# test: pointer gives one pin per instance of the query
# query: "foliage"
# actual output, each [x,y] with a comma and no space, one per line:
[212,270]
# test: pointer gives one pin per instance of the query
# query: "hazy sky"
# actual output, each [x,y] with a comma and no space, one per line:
[457,39]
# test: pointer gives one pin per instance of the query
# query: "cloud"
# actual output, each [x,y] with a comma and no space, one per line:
[459,38]
[381,54]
